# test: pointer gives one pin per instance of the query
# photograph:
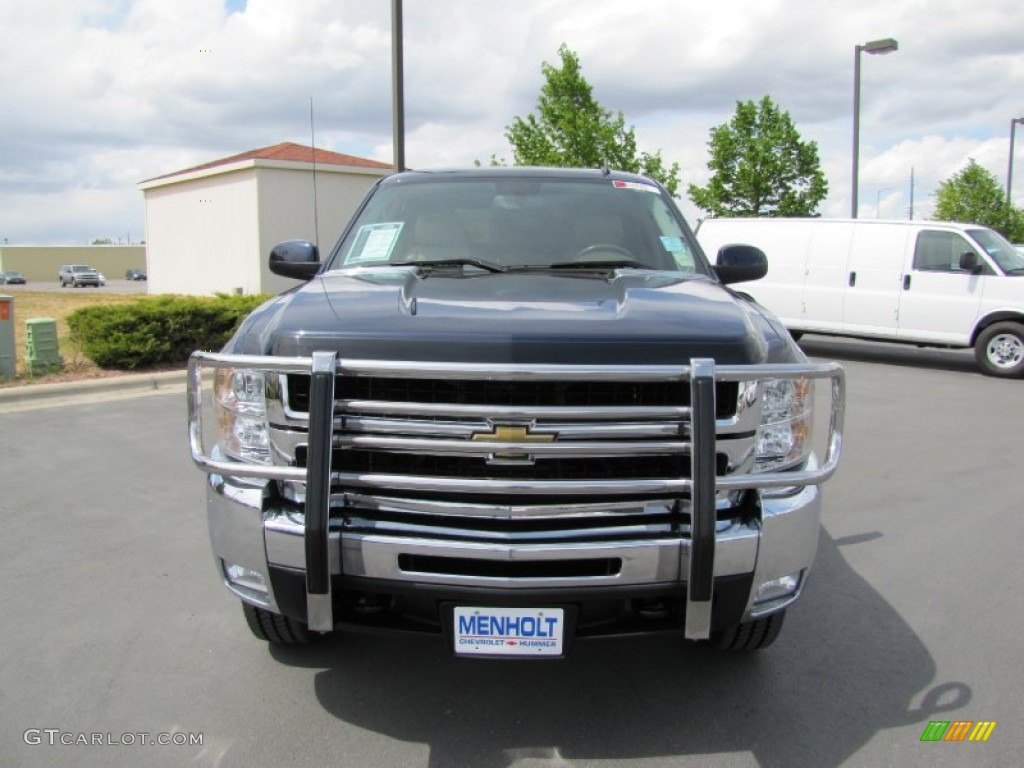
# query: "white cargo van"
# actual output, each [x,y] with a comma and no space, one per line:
[921,282]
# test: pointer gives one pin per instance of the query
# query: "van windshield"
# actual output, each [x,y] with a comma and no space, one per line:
[1009,259]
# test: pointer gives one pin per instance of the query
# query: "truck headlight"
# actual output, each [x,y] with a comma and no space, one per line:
[784,437]
[240,406]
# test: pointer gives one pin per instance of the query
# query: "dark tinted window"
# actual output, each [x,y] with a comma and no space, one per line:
[939,251]
[518,221]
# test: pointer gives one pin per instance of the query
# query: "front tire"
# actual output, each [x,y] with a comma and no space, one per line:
[750,636]
[999,350]
[275,628]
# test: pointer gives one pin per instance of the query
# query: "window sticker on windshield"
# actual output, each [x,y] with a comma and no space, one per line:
[374,243]
[634,185]
[672,244]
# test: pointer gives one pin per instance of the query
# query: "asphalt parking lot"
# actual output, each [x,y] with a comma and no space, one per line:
[112,286]
[115,623]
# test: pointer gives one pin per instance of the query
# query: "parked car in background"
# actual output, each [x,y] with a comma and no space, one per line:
[103,278]
[78,275]
[134,274]
[12,278]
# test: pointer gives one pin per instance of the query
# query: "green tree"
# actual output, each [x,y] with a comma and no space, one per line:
[973,196]
[570,129]
[760,167]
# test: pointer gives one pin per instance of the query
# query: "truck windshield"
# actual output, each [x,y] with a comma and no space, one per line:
[516,222]
[1009,259]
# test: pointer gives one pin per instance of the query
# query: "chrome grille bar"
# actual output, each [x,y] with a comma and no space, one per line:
[512,371]
[497,510]
[466,429]
[512,413]
[481,448]
[459,485]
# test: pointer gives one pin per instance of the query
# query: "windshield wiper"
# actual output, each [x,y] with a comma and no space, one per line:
[608,264]
[442,263]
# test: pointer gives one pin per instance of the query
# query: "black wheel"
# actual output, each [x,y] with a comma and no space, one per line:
[752,636]
[275,628]
[999,350]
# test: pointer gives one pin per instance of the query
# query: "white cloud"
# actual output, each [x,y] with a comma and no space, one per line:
[109,92]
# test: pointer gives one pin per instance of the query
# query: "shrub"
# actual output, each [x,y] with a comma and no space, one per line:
[165,329]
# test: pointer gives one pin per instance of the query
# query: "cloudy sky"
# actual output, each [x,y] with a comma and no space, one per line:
[97,95]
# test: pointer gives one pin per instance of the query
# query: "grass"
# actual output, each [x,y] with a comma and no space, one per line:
[57,306]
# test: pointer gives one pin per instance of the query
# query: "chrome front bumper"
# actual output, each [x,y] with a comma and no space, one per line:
[245,532]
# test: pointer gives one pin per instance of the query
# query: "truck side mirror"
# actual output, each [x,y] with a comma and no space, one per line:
[969,262]
[298,259]
[740,263]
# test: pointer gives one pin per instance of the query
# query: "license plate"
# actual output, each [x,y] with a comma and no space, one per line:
[508,631]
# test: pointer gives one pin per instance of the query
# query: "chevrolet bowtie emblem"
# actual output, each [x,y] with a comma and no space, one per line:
[512,434]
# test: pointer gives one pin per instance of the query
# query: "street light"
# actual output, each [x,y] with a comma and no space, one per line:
[1009,170]
[887,45]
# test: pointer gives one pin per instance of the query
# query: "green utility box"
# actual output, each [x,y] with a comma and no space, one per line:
[6,337]
[41,353]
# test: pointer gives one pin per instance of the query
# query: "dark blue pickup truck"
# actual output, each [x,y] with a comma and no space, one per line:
[515,408]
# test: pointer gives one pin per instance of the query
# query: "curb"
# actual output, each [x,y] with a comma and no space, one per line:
[126,383]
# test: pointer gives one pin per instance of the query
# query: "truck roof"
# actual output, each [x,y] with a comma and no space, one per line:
[523,172]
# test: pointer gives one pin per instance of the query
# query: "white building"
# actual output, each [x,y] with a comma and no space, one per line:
[209,229]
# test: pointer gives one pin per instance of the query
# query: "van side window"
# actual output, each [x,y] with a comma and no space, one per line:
[940,251]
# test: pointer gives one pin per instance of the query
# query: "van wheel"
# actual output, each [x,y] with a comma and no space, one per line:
[999,350]
[751,636]
[275,628]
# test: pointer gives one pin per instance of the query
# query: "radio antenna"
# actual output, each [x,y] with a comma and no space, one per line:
[312,141]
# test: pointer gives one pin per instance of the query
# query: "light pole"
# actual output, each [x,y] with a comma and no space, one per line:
[1009,170]
[887,45]
[398,84]
[910,212]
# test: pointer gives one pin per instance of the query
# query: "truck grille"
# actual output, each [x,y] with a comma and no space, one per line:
[624,467]
[485,440]
[518,393]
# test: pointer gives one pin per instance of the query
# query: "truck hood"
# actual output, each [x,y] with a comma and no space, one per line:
[628,318]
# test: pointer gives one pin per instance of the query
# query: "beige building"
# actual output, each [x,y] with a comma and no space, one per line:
[209,229]
[40,263]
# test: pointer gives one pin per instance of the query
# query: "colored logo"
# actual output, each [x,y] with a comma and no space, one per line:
[958,730]
[512,433]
